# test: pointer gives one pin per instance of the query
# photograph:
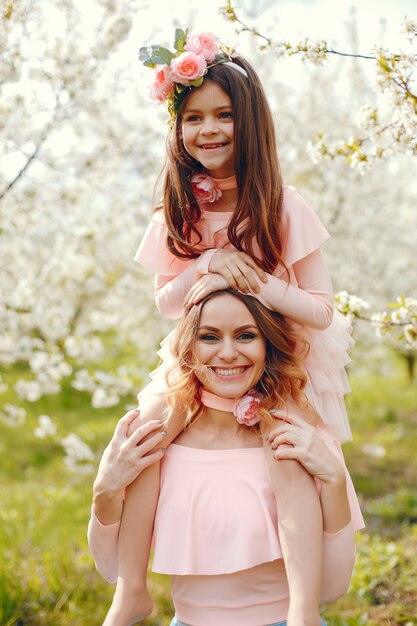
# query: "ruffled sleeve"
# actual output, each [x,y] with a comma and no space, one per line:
[102,541]
[302,231]
[153,252]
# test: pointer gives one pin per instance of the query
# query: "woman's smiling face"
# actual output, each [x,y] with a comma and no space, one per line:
[230,346]
[207,129]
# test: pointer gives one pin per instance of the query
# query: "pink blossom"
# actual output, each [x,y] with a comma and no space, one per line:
[162,85]
[204,188]
[187,67]
[247,408]
[204,44]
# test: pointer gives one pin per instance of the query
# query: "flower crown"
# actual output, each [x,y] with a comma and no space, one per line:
[176,72]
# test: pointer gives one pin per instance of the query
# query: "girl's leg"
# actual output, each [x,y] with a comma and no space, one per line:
[132,601]
[300,526]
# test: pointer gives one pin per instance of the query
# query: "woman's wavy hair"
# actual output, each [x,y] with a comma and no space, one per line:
[257,217]
[282,379]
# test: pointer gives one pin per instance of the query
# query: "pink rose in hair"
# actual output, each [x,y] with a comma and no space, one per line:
[162,85]
[204,44]
[187,67]
[204,188]
[247,408]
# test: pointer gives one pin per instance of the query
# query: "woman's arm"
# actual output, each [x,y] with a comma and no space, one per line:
[123,460]
[309,448]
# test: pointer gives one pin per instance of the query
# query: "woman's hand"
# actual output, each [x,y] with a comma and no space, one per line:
[308,447]
[123,460]
[239,269]
[205,285]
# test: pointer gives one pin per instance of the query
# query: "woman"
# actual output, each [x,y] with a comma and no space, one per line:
[215,476]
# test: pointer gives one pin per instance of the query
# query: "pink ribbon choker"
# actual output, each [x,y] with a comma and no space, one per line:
[245,409]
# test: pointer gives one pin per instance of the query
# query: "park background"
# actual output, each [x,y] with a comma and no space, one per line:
[81,150]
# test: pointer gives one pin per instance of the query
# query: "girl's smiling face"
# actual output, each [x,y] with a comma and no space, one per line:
[207,129]
[230,346]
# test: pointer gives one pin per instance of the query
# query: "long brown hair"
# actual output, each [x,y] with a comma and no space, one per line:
[282,379]
[257,217]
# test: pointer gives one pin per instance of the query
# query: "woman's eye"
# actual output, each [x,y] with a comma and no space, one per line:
[247,336]
[208,337]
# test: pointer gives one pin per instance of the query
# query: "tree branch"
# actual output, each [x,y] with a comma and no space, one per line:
[24,168]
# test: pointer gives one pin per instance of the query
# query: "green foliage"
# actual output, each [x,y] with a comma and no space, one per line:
[180,39]
[48,577]
[151,56]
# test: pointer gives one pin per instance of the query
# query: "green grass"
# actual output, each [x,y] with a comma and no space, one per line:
[46,573]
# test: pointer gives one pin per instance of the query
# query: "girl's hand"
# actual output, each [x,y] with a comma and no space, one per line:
[207,284]
[239,269]
[127,456]
[308,447]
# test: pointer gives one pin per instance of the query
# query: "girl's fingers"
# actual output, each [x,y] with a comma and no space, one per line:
[253,265]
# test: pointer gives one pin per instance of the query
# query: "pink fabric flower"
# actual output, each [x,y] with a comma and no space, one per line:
[187,67]
[204,44]
[247,408]
[162,85]
[204,188]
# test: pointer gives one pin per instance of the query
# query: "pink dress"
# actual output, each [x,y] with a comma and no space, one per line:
[217,538]
[305,297]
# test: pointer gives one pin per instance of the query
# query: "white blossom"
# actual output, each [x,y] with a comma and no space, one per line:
[78,455]
[374,450]
[46,428]
[12,415]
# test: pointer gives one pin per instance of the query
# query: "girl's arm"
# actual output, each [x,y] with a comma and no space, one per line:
[309,303]
[170,291]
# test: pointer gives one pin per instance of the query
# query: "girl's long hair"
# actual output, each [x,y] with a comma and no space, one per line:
[257,217]
[283,378]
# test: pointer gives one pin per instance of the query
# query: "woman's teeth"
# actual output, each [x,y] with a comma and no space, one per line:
[229,372]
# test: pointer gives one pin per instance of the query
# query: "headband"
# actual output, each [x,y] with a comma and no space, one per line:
[175,73]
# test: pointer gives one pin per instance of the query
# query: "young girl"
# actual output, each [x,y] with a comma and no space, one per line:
[217,535]
[226,220]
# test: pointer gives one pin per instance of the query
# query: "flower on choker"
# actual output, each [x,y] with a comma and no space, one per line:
[204,188]
[246,409]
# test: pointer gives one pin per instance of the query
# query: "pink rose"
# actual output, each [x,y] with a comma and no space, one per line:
[187,67]
[162,85]
[246,408]
[204,44]
[204,188]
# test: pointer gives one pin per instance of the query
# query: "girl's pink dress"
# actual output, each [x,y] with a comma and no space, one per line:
[304,294]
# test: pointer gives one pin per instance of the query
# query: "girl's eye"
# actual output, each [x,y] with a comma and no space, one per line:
[226,114]
[191,118]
